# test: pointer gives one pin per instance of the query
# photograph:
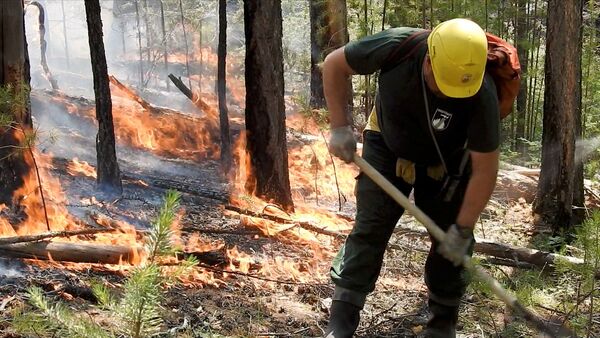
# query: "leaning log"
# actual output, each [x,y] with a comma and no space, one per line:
[209,110]
[73,252]
[131,94]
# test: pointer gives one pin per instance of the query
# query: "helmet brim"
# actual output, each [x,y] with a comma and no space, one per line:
[458,92]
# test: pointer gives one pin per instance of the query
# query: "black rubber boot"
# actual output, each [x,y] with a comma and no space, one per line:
[343,320]
[443,321]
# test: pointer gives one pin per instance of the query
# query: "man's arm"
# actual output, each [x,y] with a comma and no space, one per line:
[336,72]
[480,187]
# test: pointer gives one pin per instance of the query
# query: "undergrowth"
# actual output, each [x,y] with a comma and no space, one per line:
[567,294]
[136,312]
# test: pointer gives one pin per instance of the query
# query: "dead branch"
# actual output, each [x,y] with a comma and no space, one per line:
[304,225]
[49,235]
[223,231]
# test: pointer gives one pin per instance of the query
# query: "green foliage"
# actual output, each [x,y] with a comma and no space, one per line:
[140,306]
[55,318]
[103,294]
[159,241]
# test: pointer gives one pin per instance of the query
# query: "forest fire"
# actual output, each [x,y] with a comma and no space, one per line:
[164,133]
[77,167]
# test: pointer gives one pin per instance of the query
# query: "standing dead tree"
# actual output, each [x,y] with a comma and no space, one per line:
[43,45]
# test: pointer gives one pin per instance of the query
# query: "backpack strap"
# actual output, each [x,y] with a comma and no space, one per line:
[405,50]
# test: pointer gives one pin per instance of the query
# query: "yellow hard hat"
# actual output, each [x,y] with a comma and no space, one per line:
[458,53]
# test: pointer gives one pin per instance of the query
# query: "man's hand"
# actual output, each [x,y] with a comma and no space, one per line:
[456,244]
[342,143]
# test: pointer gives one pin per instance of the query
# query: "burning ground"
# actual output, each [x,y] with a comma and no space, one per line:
[261,271]
[250,252]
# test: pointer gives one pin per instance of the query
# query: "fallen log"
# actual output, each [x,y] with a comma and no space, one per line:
[131,94]
[506,252]
[51,234]
[73,252]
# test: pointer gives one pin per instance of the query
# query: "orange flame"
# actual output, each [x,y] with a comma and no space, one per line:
[77,168]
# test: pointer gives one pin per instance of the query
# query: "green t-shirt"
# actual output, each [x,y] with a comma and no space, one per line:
[401,110]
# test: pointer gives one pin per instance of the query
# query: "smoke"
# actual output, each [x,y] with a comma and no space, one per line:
[585,147]
[9,269]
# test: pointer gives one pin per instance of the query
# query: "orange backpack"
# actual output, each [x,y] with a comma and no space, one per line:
[502,64]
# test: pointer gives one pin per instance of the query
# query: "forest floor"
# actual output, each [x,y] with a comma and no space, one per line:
[270,283]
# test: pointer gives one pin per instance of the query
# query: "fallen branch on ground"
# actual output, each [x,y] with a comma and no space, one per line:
[304,225]
[52,234]
[510,253]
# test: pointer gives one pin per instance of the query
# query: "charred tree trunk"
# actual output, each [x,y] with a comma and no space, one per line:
[558,189]
[14,76]
[265,108]
[226,156]
[109,175]
[522,33]
[328,31]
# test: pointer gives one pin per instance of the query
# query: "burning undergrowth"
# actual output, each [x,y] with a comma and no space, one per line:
[315,182]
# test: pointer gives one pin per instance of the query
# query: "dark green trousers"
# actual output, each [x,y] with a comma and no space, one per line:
[358,263]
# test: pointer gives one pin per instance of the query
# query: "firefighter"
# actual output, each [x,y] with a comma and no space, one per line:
[435,130]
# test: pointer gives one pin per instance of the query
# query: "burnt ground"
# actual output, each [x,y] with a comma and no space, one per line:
[219,300]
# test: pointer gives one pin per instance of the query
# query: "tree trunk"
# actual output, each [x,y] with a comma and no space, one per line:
[139,35]
[265,108]
[164,43]
[64,27]
[558,189]
[328,31]
[43,44]
[522,33]
[109,175]
[14,72]
[226,156]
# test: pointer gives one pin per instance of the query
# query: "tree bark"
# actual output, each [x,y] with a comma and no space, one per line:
[14,72]
[558,187]
[522,33]
[265,108]
[328,31]
[109,175]
[226,155]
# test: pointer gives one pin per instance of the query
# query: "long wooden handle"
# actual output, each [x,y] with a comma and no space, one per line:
[478,271]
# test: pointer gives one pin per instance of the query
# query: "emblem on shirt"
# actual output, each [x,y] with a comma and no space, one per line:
[441,120]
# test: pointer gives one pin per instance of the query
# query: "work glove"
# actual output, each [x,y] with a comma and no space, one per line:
[342,143]
[456,244]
